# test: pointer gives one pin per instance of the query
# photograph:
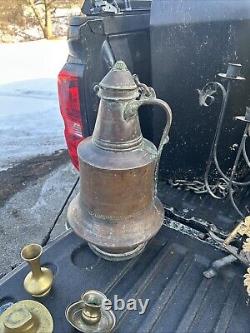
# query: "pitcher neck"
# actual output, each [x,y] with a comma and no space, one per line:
[112,131]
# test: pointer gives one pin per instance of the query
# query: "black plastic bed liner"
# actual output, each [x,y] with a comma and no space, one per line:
[203,206]
[169,273]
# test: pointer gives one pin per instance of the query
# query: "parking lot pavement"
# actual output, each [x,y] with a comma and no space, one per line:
[27,216]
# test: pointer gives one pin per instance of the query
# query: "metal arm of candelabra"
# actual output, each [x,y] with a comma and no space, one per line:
[206,98]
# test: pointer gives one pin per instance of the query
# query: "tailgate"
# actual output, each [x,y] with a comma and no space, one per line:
[168,273]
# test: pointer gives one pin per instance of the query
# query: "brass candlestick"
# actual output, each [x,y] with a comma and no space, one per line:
[91,312]
[39,281]
[89,315]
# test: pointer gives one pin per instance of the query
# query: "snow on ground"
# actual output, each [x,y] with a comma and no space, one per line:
[30,121]
[29,214]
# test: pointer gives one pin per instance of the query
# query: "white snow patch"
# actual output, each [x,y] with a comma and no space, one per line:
[30,120]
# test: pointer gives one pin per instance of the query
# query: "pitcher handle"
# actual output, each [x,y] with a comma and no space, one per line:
[148,97]
[163,105]
[165,135]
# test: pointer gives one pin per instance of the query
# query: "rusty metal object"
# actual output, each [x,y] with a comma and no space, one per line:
[88,315]
[242,229]
[26,317]
[117,210]
[39,281]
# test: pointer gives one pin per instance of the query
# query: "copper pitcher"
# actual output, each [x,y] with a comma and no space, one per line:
[117,210]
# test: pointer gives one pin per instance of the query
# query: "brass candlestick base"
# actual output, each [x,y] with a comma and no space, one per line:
[88,314]
[39,281]
[26,317]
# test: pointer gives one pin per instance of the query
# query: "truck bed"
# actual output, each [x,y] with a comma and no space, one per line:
[189,205]
[169,273]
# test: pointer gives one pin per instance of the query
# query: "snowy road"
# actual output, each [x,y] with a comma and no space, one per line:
[30,122]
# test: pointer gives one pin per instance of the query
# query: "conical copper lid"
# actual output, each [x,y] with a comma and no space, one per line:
[118,84]
[119,77]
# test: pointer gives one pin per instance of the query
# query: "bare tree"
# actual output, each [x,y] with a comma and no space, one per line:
[18,15]
[42,10]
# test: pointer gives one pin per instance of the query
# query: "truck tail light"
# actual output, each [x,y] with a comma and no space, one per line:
[69,101]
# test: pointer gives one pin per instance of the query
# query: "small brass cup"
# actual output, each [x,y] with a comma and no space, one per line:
[91,312]
[39,281]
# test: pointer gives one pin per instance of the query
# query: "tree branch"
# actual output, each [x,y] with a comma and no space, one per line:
[37,14]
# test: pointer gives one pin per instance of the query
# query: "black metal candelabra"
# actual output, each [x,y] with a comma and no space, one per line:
[206,98]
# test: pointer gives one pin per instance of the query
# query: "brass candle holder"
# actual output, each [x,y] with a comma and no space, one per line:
[39,281]
[89,316]
[92,301]
[26,317]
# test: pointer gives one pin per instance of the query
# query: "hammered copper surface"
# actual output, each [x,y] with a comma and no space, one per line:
[117,209]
